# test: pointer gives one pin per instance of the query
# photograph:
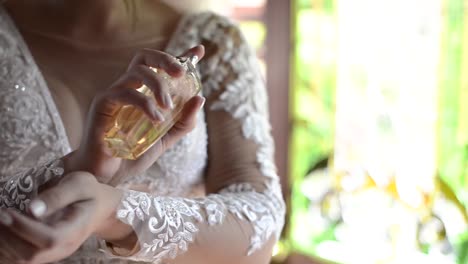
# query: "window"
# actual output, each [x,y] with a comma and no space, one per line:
[379,150]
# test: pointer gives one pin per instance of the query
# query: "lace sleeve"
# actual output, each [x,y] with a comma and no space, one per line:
[243,215]
[18,190]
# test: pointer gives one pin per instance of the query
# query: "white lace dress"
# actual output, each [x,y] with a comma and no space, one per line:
[229,153]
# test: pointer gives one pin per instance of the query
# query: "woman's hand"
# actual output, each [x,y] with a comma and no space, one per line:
[67,214]
[93,155]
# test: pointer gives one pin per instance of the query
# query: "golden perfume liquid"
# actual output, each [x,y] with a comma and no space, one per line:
[133,132]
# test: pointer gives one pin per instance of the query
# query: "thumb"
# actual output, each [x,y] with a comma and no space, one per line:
[184,125]
[74,187]
[198,51]
[186,122]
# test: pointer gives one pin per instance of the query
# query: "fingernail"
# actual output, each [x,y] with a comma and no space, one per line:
[6,218]
[194,59]
[38,208]
[168,101]
[203,103]
[180,60]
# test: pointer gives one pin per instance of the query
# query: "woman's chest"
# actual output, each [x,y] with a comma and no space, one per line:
[74,79]
[43,92]
[31,131]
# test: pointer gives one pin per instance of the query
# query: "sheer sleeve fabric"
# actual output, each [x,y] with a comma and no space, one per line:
[17,191]
[243,214]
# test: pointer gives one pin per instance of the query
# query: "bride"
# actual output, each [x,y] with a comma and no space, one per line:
[207,192]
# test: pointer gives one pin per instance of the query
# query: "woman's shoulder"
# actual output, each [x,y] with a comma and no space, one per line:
[209,23]
[211,16]
[216,32]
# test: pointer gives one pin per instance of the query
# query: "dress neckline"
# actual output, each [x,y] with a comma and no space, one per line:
[44,88]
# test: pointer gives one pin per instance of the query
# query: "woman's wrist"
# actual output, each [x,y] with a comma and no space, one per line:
[108,198]
[112,229]
[118,234]
[101,167]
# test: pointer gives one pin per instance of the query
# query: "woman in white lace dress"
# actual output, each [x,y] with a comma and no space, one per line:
[207,193]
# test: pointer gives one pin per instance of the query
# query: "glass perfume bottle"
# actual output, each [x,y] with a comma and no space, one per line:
[133,132]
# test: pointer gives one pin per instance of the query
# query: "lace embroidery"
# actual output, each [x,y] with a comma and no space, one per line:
[166,225]
[18,191]
[25,88]
[244,96]
[172,221]
[165,219]
[31,132]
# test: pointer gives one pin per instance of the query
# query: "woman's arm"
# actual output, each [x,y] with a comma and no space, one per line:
[92,155]
[73,209]
[243,213]
[242,217]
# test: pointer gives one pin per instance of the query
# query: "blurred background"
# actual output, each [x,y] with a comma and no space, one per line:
[369,108]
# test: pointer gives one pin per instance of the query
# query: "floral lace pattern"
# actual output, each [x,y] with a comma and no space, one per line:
[165,218]
[17,191]
[166,225]
[33,133]
[173,221]
[243,96]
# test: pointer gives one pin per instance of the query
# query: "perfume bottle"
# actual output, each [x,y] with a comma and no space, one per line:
[132,132]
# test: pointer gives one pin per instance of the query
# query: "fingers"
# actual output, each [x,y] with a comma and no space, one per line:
[188,116]
[129,97]
[198,51]
[75,187]
[13,248]
[74,227]
[140,69]
[158,59]
[29,241]
[141,74]
[186,123]
[32,241]
[75,219]
[33,232]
